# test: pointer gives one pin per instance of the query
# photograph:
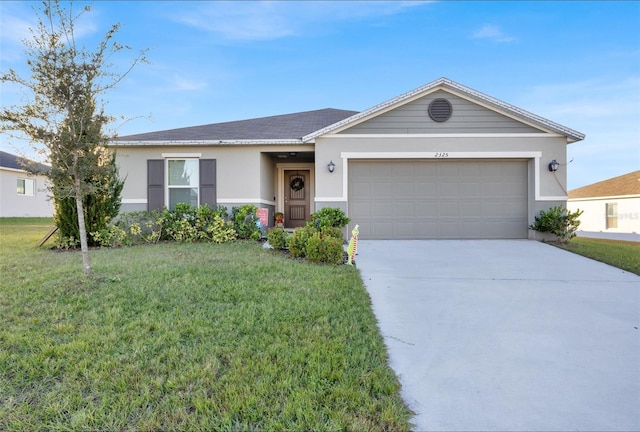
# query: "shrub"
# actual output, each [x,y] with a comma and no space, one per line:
[559,221]
[100,207]
[66,243]
[329,217]
[189,224]
[277,238]
[324,249]
[171,219]
[333,232]
[222,230]
[183,230]
[141,226]
[112,236]
[298,241]
[244,221]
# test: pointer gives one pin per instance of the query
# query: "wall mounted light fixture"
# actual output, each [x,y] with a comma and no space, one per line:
[331,166]
[553,165]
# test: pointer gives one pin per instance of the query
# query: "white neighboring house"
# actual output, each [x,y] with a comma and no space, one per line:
[22,194]
[611,207]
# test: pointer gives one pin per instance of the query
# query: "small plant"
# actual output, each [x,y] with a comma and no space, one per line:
[333,232]
[298,241]
[141,226]
[329,217]
[277,238]
[558,221]
[222,231]
[66,243]
[112,236]
[324,249]
[244,221]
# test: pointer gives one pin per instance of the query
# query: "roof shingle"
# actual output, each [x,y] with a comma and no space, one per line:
[627,184]
[11,161]
[279,127]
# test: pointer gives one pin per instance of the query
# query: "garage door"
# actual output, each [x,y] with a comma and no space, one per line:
[439,199]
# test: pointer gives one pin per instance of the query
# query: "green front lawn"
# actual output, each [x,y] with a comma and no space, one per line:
[618,253]
[186,337]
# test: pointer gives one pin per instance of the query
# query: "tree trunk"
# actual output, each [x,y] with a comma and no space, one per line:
[83,233]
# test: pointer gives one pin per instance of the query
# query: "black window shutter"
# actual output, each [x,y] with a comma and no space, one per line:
[155,184]
[208,182]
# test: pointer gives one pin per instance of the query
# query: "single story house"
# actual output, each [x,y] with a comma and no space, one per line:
[442,161]
[23,194]
[610,207]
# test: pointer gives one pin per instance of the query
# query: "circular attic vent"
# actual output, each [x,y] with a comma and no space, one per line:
[440,110]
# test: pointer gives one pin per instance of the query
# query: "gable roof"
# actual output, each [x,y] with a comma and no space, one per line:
[11,161]
[304,127]
[459,90]
[287,127]
[627,184]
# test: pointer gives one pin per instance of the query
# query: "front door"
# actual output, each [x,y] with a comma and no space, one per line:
[296,198]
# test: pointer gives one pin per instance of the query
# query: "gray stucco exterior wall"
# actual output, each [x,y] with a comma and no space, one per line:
[467,117]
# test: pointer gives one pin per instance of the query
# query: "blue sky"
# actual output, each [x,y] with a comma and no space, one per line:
[576,63]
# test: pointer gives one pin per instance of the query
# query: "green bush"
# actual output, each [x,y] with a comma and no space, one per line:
[298,241]
[183,224]
[324,249]
[222,231]
[112,236]
[329,217]
[206,214]
[244,221]
[277,238]
[170,220]
[333,232]
[141,226]
[100,207]
[559,221]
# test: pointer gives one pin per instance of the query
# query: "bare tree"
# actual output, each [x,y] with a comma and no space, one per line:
[63,112]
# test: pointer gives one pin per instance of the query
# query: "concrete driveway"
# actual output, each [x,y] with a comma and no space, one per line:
[511,335]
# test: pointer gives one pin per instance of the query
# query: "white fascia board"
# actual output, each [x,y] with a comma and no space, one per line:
[15,170]
[602,198]
[229,201]
[441,155]
[330,199]
[374,111]
[245,200]
[204,143]
[441,135]
[513,111]
[182,155]
[461,91]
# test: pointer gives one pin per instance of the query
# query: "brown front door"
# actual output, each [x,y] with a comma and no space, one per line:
[296,198]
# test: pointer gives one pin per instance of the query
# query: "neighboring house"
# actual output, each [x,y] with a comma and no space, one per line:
[611,207]
[21,193]
[441,161]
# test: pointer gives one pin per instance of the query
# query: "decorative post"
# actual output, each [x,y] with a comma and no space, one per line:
[352,250]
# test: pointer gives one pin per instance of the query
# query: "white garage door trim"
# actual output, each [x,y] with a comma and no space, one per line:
[535,155]
[443,198]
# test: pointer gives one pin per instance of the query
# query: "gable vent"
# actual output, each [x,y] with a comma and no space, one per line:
[440,110]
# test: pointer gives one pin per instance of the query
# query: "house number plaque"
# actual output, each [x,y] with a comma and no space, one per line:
[441,155]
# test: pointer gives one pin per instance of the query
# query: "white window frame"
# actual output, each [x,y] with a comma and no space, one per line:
[611,215]
[25,189]
[167,176]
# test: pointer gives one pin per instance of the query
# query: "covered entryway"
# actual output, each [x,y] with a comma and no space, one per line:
[296,198]
[439,199]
